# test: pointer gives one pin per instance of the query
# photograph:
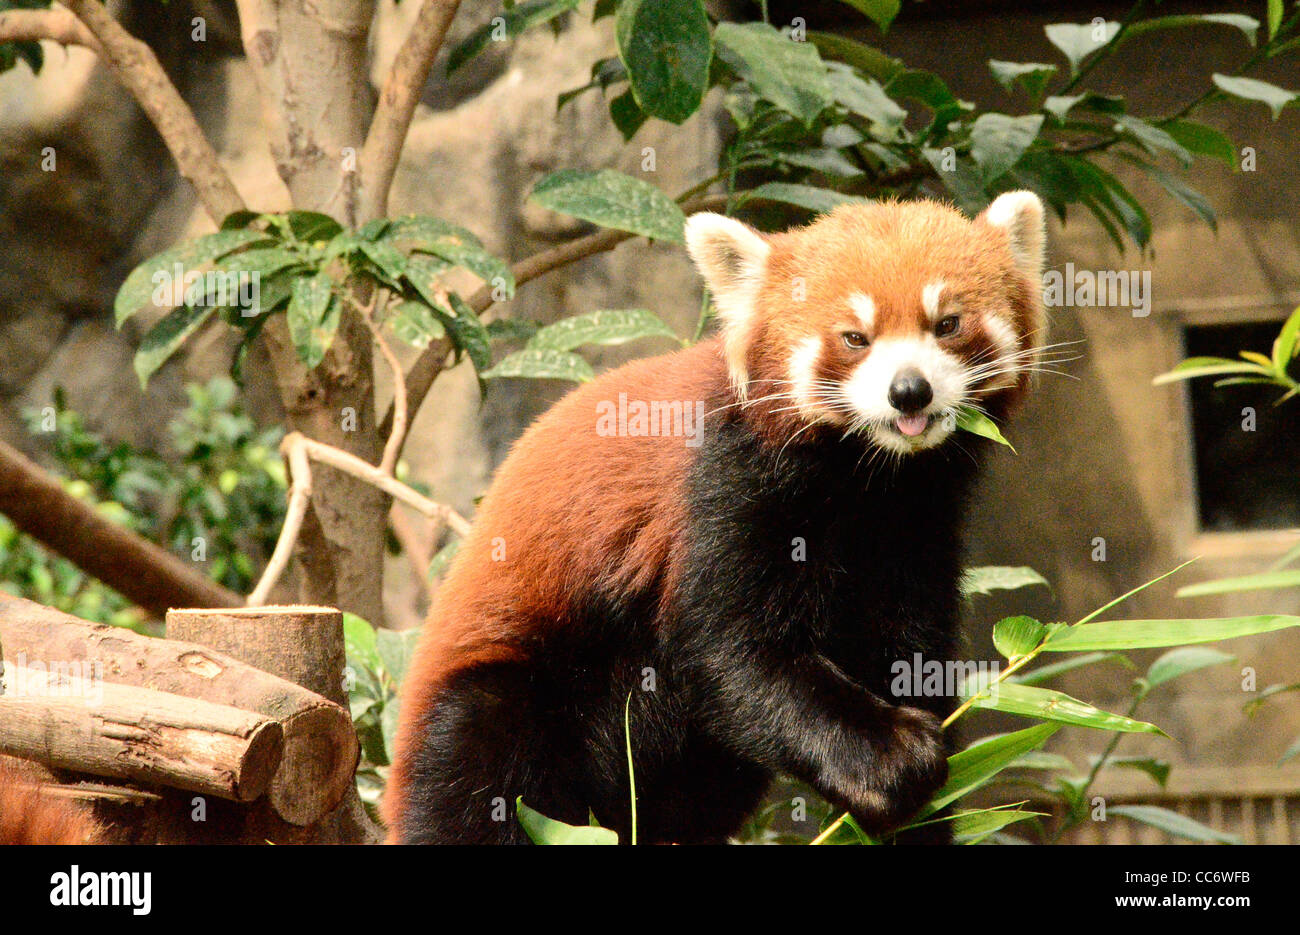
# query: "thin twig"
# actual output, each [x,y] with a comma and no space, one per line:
[137,68]
[297,449]
[56,25]
[402,88]
[299,501]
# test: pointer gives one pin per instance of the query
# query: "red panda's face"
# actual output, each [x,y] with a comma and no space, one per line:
[881,320]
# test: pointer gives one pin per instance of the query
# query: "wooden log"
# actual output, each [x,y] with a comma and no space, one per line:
[300,643]
[146,573]
[139,734]
[320,743]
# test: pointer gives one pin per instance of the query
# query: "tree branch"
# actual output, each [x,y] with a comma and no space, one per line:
[401,92]
[54,24]
[138,69]
[433,359]
[141,571]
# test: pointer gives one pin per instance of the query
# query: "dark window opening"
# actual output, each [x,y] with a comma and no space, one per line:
[1245,480]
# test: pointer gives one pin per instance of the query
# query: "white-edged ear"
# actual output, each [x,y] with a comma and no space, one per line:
[1020,214]
[731,257]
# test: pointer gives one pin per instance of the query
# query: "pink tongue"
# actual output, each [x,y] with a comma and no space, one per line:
[912,425]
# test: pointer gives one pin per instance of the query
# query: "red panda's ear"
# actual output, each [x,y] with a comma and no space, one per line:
[1020,214]
[732,258]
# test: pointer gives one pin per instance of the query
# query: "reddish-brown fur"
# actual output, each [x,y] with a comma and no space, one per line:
[557,520]
[31,815]
[570,507]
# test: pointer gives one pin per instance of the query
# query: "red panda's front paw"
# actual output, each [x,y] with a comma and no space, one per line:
[909,763]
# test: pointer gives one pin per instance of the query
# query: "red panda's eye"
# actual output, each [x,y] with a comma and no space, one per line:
[947,326]
[855,340]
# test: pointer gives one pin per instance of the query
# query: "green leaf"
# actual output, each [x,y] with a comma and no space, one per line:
[1079,40]
[1032,76]
[157,272]
[1148,634]
[1291,752]
[626,115]
[387,258]
[1050,705]
[1180,191]
[977,764]
[972,827]
[1046,673]
[1156,769]
[1287,344]
[507,24]
[1194,367]
[1172,823]
[1252,89]
[985,579]
[313,317]
[359,641]
[543,830]
[312,226]
[1152,138]
[790,74]
[1261,581]
[880,12]
[453,244]
[866,98]
[1274,17]
[961,177]
[1016,636]
[543,365]
[1183,661]
[612,199]
[666,49]
[977,423]
[1202,140]
[440,562]
[809,197]
[607,326]
[166,336]
[865,58]
[395,649]
[999,140]
[1060,105]
[416,324]
[1247,24]
[468,333]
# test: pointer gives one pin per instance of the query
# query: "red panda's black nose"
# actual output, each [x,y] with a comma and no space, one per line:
[910,391]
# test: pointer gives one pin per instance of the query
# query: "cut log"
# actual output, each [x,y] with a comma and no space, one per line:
[139,734]
[302,644]
[320,743]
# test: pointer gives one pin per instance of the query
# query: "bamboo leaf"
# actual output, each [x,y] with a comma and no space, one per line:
[1016,636]
[1049,705]
[1149,634]
[977,423]
[1261,581]
[1252,89]
[1183,661]
[1172,823]
[985,579]
[977,764]
[543,830]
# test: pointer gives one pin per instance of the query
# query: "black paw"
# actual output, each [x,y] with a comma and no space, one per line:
[907,763]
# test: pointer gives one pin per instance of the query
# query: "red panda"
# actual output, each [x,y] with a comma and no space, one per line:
[29,815]
[748,581]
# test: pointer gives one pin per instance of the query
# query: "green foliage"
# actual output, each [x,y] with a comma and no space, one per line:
[216,498]
[307,266]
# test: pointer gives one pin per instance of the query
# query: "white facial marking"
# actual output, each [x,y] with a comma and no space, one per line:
[865,308]
[1004,336]
[867,390]
[803,369]
[930,299]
